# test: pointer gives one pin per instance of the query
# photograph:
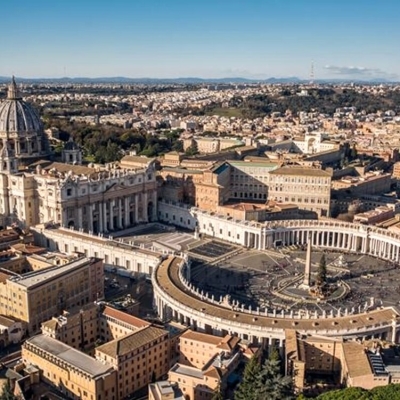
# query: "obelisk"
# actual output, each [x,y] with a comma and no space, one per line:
[307,271]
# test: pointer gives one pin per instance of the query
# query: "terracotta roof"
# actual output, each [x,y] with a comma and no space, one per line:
[4,276]
[125,317]
[76,169]
[136,160]
[356,360]
[201,337]
[131,342]
[28,248]
[301,171]
[228,342]
[213,372]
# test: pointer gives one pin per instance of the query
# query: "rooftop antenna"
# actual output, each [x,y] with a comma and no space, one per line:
[65,84]
[312,73]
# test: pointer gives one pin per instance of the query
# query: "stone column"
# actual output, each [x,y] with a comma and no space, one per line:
[100,218]
[64,217]
[144,207]
[349,242]
[155,209]
[29,146]
[79,221]
[126,207]
[136,208]
[105,216]
[394,331]
[111,205]
[307,271]
[90,217]
[120,226]
[17,146]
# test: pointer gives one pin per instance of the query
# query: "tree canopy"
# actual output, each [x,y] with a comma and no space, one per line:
[389,392]
[265,382]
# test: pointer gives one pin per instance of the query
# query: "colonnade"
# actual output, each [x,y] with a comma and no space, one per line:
[330,234]
[113,214]
[174,302]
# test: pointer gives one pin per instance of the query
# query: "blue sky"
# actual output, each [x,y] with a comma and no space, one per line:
[207,38]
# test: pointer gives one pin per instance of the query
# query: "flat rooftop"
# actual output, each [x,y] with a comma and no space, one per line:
[32,279]
[70,355]
[188,371]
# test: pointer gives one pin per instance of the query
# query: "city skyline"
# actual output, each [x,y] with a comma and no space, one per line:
[206,39]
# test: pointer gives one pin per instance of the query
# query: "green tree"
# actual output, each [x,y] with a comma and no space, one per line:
[273,385]
[192,150]
[218,394]
[321,276]
[7,393]
[353,393]
[178,146]
[248,389]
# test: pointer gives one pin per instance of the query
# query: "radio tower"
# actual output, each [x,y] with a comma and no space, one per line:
[312,73]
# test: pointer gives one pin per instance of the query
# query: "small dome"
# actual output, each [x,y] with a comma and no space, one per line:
[71,145]
[17,116]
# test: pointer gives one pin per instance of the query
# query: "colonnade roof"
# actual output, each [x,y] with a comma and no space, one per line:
[167,277]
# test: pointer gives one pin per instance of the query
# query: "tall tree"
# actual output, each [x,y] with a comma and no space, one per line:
[321,276]
[7,393]
[217,394]
[248,389]
[274,386]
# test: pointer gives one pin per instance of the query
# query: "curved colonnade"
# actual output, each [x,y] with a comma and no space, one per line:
[176,298]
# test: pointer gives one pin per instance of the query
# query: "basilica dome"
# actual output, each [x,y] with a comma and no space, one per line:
[21,127]
[17,116]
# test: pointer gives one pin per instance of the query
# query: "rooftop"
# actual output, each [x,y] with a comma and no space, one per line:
[167,276]
[301,171]
[125,317]
[70,355]
[132,341]
[356,359]
[188,371]
[32,279]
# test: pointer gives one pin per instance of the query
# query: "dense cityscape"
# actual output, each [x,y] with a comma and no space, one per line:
[199,241]
[200,200]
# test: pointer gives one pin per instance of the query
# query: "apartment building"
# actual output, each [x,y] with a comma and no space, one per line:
[36,296]
[196,349]
[91,324]
[371,183]
[340,362]
[139,358]
[72,372]
[205,363]
[214,190]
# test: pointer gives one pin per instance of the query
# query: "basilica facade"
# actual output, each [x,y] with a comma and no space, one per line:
[34,189]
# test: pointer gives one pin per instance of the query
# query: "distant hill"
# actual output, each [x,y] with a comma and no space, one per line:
[169,81]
